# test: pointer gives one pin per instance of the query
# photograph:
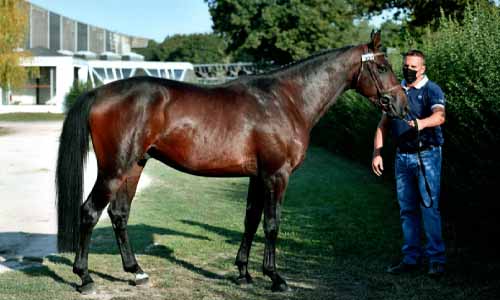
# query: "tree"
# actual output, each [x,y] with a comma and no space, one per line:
[279,31]
[463,58]
[152,52]
[195,48]
[421,12]
[13,27]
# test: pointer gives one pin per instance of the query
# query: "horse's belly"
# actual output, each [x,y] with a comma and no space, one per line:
[215,151]
[217,162]
[208,161]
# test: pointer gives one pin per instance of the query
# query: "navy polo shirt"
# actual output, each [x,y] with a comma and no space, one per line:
[422,99]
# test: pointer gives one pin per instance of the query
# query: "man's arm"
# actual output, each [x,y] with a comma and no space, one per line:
[378,143]
[437,118]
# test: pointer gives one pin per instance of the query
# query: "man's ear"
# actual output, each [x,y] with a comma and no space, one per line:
[423,69]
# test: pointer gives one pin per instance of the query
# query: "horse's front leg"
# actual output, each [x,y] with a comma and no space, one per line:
[275,190]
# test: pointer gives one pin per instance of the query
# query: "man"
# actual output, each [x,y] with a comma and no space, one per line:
[417,166]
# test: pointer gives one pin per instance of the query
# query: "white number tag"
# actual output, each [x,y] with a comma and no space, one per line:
[367,57]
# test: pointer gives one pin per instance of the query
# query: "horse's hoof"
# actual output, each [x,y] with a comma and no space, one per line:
[281,288]
[244,280]
[87,289]
[141,279]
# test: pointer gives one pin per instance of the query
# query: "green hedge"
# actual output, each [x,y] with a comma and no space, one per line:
[76,90]
[464,61]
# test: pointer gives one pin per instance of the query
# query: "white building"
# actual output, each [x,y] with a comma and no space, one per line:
[66,51]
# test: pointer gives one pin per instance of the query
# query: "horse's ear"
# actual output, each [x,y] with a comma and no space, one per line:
[376,41]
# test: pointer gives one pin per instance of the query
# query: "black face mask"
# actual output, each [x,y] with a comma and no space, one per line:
[409,75]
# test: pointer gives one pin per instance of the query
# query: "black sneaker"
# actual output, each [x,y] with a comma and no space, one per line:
[436,269]
[402,268]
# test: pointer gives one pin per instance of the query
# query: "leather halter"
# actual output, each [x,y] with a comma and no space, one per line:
[384,97]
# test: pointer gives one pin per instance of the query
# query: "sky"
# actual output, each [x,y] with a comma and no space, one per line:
[154,19]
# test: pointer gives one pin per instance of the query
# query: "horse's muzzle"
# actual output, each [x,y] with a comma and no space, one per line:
[390,105]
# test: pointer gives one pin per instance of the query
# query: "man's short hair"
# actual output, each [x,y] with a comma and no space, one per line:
[415,52]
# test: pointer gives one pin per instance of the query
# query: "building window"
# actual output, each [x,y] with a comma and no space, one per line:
[82,39]
[126,72]
[55,31]
[109,74]
[153,72]
[100,72]
[178,74]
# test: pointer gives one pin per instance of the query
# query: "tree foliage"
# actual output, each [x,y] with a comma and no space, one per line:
[463,59]
[280,31]
[13,25]
[194,48]
[77,89]
[422,13]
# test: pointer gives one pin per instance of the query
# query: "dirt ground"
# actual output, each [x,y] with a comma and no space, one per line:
[28,224]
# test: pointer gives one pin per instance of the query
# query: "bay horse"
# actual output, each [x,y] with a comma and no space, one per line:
[255,126]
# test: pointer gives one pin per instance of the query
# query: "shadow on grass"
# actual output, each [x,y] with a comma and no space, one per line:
[23,251]
[103,242]
[232,236]
[142,239]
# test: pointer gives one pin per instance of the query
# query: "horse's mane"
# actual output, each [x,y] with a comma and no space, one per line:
[304,62]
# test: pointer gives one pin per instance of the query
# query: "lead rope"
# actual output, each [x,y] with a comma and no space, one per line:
[422,169]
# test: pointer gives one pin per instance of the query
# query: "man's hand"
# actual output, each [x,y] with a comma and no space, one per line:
[377,164]
[412,124]
[437,118]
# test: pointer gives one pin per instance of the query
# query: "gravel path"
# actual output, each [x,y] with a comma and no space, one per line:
[28,225]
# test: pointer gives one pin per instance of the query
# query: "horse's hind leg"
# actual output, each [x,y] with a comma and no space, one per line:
[252,220]
[90,212]
[119,210]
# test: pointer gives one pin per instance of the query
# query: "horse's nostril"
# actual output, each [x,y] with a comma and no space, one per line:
[385,100]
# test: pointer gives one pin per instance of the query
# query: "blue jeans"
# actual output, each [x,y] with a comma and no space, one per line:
[410,191]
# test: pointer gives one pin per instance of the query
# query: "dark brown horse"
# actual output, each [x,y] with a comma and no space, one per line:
[255,126]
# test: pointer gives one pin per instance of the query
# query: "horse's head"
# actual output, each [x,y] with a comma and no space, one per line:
[377,82]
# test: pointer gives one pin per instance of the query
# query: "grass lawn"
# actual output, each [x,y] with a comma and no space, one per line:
[31,117]
[340,229]
[4,131]
[27,117]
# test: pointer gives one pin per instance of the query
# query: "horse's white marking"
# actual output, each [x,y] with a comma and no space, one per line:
[141,276]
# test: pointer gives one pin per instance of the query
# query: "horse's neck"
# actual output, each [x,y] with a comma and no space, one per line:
[322,83]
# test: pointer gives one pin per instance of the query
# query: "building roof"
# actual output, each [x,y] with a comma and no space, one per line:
[40,51]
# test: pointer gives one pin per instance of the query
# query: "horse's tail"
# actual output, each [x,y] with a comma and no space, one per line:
[73,149]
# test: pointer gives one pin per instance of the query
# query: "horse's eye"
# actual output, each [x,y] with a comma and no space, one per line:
[382,69]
